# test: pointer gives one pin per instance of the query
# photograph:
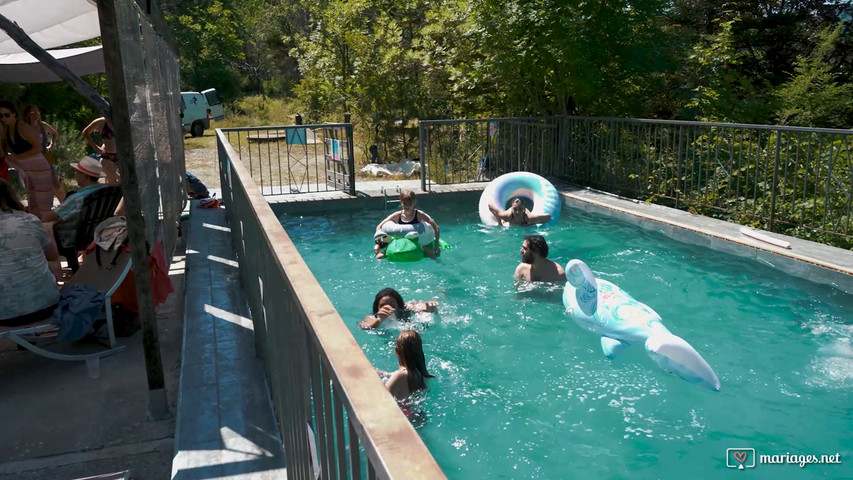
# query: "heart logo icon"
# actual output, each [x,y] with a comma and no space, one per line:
[740,456]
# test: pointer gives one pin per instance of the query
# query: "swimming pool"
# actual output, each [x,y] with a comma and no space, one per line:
[521,391]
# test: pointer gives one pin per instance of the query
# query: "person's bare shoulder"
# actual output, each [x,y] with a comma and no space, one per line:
[560,271]
[426,216]
[398,384]
[522,272]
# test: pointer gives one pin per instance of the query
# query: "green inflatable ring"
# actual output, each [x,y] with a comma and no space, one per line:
[403,249]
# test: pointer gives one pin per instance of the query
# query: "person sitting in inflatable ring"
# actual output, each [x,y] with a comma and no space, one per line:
[389,302]
[518,214]
[409,215]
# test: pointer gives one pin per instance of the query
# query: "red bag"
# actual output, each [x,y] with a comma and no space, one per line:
[161,284]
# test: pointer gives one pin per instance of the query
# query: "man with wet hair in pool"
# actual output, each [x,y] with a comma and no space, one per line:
[518,214]
[535,266]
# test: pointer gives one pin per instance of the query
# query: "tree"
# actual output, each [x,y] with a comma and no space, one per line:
[814,96]
[209,42]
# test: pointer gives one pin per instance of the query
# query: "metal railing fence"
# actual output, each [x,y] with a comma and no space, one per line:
[320,380]
[784,176]
[295,159]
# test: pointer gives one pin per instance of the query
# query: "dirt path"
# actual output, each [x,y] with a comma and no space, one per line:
[202,163]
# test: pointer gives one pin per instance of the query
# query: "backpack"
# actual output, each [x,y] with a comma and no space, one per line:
[195,187]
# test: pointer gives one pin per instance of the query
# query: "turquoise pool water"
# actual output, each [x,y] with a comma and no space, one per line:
[521,391]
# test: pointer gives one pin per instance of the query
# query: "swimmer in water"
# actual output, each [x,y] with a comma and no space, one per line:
[518,214]
[535,266]
[412,372]
[388,302]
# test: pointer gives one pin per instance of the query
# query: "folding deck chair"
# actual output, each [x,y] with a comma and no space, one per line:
[97,207]
[106,277]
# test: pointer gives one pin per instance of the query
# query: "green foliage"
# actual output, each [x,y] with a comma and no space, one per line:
[721,91]
[70,146]
[815,96]
[209,42]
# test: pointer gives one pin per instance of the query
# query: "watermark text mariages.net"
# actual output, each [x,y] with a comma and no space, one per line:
[801,460]
[745,457]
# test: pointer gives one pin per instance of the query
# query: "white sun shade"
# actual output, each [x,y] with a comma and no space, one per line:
[24,68]
[50,23]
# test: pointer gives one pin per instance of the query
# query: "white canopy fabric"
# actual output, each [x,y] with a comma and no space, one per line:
[24,68]
[50,23]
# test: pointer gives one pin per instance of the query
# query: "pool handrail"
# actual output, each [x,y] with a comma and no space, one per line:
[314,365]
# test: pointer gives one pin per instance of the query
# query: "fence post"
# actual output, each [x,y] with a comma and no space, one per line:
[775,180]
[422,146]
[678,167]
[350,158]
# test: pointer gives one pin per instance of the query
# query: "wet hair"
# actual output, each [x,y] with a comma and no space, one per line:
[390,292]
[9,106]
[406,196]
[410,350]
[537,243]
[8,198]
[26,114]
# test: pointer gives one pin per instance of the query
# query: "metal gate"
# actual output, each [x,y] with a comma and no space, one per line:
[338,152]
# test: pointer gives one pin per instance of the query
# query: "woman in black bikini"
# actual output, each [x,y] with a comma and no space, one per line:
[409,215]
[21,148]
[107,149]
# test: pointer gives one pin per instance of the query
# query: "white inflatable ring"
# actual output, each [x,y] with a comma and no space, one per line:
[421,230]
[527,185]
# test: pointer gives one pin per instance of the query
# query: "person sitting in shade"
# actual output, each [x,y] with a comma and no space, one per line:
[535,266]
[518,214]
[29,264]
[66,216]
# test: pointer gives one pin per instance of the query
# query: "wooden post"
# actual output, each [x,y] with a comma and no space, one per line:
[24,41]
[157,404]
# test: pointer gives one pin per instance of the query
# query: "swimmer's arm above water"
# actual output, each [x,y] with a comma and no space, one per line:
[422,306]
[373,321]
[537,218]
[499,214]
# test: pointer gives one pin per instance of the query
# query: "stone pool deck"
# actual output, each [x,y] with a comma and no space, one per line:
[225,422]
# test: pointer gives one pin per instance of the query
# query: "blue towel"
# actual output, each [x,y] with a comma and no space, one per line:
[79,307]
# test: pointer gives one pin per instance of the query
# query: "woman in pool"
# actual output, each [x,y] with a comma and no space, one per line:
[518,214]
[389,302]
[409,215]
[412,374]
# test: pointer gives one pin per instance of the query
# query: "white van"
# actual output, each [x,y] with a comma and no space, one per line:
[198,108]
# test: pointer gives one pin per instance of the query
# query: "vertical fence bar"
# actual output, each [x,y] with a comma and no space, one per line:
[326,388]
[422,133]
[829,166]
[354,452]
[785,169]
[775,180]
[849,213]
[340,437]
[350,159]
[817,176]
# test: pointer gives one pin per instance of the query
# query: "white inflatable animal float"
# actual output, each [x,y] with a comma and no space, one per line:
[603,308]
